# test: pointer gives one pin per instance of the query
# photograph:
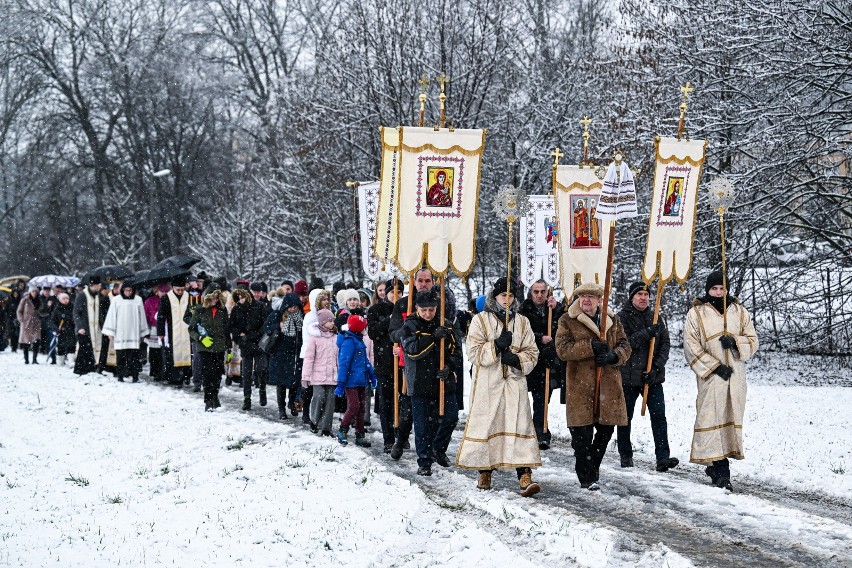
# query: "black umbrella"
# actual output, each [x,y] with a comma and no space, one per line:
[160,275]
[110,272]
[140,277]
[179,260]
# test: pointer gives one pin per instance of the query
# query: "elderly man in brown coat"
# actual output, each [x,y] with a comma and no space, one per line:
[578,343]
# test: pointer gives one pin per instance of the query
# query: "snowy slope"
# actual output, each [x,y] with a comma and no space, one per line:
[100,473]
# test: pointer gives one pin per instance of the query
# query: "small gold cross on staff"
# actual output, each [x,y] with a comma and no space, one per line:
[556,155]
[424,82]
[443,80]
[681,127]
[586,121]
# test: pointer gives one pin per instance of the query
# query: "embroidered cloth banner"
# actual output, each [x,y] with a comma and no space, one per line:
[583,237]
[674,202]
[368,201]
[428,200]
[540,242]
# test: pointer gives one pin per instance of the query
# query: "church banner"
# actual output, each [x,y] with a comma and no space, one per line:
[583,237]
[368,201]
[429,193]
[674,202]
[540,242]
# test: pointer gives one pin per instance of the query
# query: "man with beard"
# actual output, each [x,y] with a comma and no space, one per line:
[174,334]
[535,308]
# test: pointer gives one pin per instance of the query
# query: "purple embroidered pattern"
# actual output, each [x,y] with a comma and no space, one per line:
[668,220]
[420,208]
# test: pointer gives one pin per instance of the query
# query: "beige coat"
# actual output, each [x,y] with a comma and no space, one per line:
[30,321]
[499,433]
[574,345]
[720,404]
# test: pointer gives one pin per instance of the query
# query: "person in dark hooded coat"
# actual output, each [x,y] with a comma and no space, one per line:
[285,353]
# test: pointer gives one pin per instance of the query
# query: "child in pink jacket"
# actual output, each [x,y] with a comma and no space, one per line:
[319,369]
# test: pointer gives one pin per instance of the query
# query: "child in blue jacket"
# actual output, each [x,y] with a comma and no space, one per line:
[354,373]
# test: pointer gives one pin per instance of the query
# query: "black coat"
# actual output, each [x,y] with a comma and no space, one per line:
[547,358]
[248,318]
[400,312]
[634,323]
[62,321]
[422,356]
[378,328]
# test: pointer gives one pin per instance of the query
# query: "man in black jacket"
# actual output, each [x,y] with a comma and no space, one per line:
[638,324]
[378,326]
[535,308]
[247,319]
[421,340]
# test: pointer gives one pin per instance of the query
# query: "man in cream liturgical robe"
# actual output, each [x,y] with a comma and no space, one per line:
[126,324]
[174,333]
[499,433]
[718,361]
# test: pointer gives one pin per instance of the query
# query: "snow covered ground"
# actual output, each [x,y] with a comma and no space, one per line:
[99,473]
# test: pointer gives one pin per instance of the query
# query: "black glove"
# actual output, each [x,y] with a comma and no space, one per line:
[409,328]
[728,342]
[510,359]
[504,341]
[654,330]
[599,347]
[653,377]
[723,371]
[441,332]
[604,359]
[444,374]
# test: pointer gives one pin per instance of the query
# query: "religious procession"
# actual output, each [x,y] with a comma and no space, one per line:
[405,355]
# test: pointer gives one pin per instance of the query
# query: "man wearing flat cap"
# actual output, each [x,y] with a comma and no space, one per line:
[639,326]
[578,343]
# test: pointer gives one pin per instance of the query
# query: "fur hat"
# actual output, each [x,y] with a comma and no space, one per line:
[202,276]
[242,293]
[356,324]
[256,287]
[212,297]
[93,279]
[713,279]
[588,288]
[301,287]
[635,288]
[500,287]
[427,299]
[324,316]
[179,281]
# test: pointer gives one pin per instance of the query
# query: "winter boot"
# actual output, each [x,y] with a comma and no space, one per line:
[135,378]
[710,471]
[361,440]
[528,486]
[627,461]
[246,403]
[388,447]
[26,357]
[262,396]
[484,480]
[314,428]
[326,433]
[441,459]
[424,470]
[396,450]
[667,464]
[342,436]
[724,483]
[591,486]
[120,379]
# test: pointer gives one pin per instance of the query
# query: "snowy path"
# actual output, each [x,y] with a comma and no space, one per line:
[98,473]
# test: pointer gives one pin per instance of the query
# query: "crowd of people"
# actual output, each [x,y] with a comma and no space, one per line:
[362,353]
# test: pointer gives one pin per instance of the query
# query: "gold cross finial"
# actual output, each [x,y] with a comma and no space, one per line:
[686,90]
[443,79]
[586,121]
[424,82]
[556,155]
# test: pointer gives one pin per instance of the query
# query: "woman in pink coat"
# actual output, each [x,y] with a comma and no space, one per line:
[319,370]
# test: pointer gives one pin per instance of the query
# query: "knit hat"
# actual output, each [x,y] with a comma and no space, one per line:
[290,299]
[399,286]
[163,288]
[636,287]
[301,287]
[500,287]
[713,279]
[344,295]
[256,287]
[324,316]
[588,288]
[357,324]
[93,279]
[179,281]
